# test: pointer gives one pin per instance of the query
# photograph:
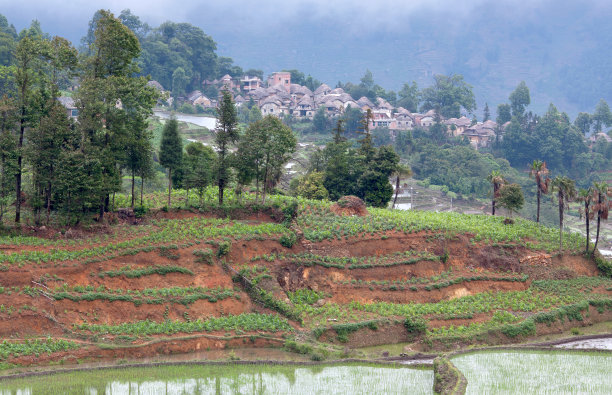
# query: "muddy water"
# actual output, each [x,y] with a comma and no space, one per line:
[599,344]
[207,122]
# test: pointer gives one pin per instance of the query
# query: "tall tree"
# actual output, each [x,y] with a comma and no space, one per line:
[198,164]
[8,152]
[511,197]
[602,116]
[268,145]
[29,55]
[504,113]
[566,192]
[448,95]
[519,99]
[171,151]
[226,135]
[601,207]
[583,122]
[112,101]
[539,172]
[410,97]
[486,114]
[497,180]
[53,135]
[367,148]
[586,197]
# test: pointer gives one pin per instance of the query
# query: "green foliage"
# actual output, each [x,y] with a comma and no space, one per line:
[128,272]
[204,256]
[305,296]
[288,240]
[171,148]
[226,135]
[415,325]
[224,248]
[263,151]
[300,348]
[35,347]
[178,295]
[448,95]
[511,197]
[245,322]
[343,330]
[311,186]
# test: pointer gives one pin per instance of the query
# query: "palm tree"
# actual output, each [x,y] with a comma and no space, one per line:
[601,207]
[566,192]
[586,197]
[498,180]
[400,171]
[539,171]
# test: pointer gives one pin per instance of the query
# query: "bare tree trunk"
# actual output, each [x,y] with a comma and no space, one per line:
[141,189]
[538,210]
[19,167]
[133,182]
[48,204]
[169,185]
[561,204]
[597,235]
[586,210]
[397,185]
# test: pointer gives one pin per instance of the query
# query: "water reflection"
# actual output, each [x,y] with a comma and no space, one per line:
[207,122]
[246,379]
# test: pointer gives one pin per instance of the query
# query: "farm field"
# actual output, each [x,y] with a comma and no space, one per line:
[234,379]
[516,372]
[290,274]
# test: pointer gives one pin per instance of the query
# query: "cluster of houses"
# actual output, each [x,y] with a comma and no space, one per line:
[280,97]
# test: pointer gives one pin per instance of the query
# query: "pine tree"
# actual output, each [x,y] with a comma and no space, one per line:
[171,151]
[226,135]
[487,113]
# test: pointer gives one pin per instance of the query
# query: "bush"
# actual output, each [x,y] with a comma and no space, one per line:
[204,256]
[415,325]
[140,211]
[224,248]
[300,348]
[288,240]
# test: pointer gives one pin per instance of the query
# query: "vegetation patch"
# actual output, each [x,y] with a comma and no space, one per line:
[128,272]
[448,380]
[34,347]
[245,322]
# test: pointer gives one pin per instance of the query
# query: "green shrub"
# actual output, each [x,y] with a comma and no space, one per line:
[167,251]
[525,328]
[204,256]
[288,240]
[300,348]
[140,211]
[415,325]
[224,248]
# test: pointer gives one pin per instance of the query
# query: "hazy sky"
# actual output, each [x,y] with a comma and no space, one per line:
[398,40]
[69,17]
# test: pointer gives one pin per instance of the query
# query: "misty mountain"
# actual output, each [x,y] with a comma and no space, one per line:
[559,48]
[561,53]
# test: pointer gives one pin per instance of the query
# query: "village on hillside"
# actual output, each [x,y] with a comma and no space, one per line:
[280,97]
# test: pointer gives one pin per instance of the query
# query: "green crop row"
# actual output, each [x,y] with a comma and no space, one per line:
[168,231]
[531,300]
[34,347]
[325,225]
[177,295]
[243,322]
[128,272]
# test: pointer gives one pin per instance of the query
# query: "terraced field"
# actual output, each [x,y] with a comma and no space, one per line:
[291,274]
